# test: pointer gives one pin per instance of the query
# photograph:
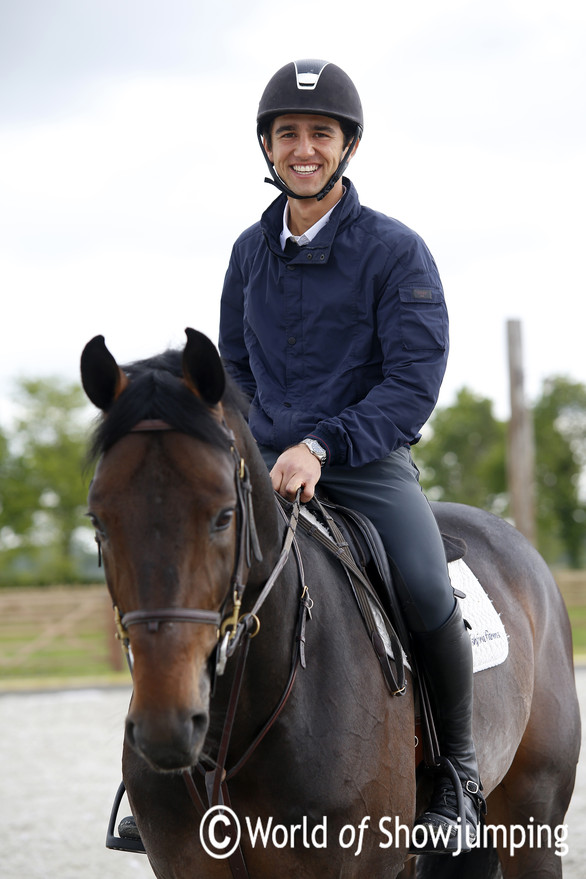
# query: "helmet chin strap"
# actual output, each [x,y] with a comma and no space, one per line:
[275,180]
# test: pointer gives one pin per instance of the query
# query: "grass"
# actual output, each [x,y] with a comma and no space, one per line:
[87,658]
[87,652]
[578,620]
[57,635]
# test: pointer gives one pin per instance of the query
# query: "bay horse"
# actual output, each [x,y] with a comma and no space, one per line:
[301,744]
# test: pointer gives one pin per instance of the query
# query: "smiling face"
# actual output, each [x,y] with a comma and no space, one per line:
[305,151]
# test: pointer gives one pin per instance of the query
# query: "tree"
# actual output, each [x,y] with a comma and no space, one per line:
[559,418]
[43,492]
[464,459]
[15,500]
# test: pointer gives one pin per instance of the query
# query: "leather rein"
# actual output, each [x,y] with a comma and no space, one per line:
[234,632]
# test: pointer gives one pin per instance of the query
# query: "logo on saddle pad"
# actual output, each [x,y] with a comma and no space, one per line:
[490,643]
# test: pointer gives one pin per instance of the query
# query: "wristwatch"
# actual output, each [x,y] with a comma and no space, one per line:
[315,449]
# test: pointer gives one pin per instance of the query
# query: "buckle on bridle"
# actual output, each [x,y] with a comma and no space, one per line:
[121,631]
[232,620]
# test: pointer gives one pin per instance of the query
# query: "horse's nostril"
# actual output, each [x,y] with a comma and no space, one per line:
[168,742]
[200,723]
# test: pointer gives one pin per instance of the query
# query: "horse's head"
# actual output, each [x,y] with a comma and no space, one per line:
[166,503]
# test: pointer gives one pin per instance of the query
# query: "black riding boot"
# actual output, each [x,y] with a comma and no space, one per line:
[445,656]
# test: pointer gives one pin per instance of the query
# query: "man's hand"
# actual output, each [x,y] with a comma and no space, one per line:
[296,467]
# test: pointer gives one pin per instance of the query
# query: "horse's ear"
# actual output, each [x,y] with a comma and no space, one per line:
[101,377]
[202,368]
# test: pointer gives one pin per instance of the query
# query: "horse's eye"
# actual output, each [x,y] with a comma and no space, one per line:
[95,522]
[223,520]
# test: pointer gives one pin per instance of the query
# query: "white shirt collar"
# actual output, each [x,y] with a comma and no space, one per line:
[310,233]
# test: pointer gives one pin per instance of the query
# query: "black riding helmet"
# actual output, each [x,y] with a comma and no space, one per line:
[316,88]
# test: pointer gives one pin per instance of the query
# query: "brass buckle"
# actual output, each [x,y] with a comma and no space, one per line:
[232,620]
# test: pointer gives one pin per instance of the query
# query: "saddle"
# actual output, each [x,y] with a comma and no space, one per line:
[352,535]
[353,539]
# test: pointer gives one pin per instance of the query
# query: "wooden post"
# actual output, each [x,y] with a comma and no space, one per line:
[521,443]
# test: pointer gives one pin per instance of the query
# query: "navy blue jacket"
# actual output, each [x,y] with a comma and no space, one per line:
[346,342]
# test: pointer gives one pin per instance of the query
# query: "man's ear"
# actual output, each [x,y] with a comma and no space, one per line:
[354,148]
[268,151]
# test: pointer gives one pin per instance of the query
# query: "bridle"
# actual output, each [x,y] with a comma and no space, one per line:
[234,634]
[231,627]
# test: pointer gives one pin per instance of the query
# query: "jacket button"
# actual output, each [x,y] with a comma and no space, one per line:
[287,405]
[290,268]
[291,340]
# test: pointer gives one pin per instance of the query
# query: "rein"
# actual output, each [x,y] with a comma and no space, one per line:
[234,632]
[216,779]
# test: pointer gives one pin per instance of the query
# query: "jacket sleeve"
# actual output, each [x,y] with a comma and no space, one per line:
[412,329]
[231,340]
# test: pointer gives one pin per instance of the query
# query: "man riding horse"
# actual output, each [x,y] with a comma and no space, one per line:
[334,323]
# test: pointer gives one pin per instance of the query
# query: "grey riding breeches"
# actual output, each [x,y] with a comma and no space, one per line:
[389,494]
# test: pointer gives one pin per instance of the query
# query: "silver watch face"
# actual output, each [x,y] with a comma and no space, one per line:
[317,450]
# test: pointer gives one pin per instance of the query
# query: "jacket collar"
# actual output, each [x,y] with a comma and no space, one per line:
[318,250]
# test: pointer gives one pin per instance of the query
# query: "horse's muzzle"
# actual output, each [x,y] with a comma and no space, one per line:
[168,743]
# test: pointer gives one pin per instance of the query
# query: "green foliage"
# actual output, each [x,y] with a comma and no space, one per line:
[559,418]
[15,498]
[42,489]
[43,492]
[464,460]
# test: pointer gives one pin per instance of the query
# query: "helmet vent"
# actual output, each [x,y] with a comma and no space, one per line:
[308,73]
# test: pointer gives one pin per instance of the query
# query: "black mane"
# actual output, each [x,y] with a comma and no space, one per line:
[156,391]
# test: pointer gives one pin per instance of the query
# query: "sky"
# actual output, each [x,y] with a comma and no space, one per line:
[129,165]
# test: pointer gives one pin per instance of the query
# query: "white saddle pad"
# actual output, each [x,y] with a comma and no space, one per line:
[490,642]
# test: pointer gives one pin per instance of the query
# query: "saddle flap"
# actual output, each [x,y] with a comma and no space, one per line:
[367,549]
